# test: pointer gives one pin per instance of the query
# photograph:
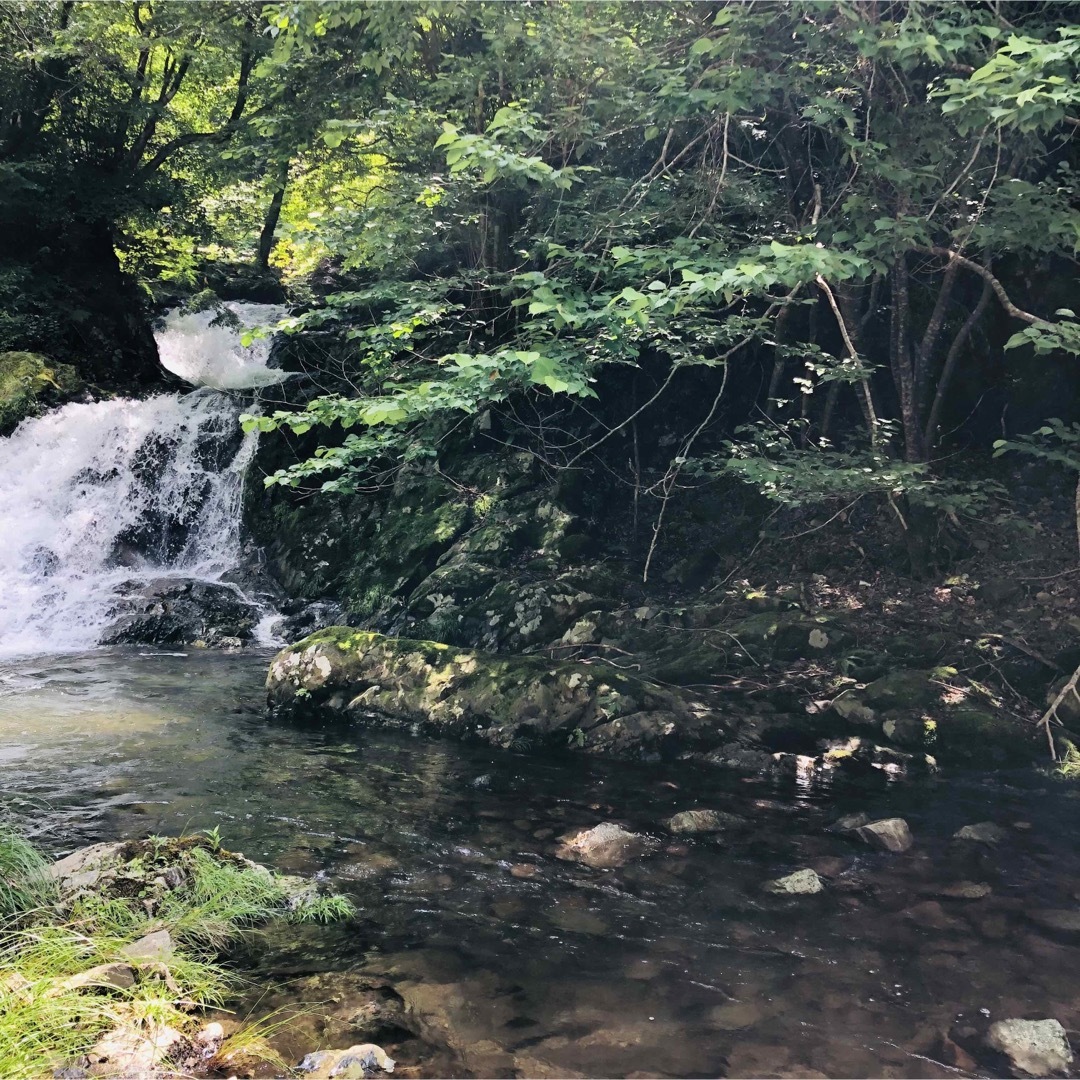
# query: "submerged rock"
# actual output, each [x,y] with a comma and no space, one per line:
[522,702]
[701,821]
[982,832]
[604,846]
[889,834]
[966,890]
[801,883]
[1035,1047]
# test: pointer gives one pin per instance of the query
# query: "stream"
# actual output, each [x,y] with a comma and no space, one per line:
[673,965]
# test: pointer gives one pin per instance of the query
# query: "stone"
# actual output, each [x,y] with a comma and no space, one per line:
[850,822]
[1062,920]
[903,689]
[604,846]
[513,702]
[736,1015]
[210,1037]
[982,832]
[84,868]
[888,834]
[355,1063]
[700,821]
[135,1052]
[155,946]
[114,976]
[931,916]
[180,611]
[966,890]
[524,870]
[801,883]
[1034,1047]
[853,710]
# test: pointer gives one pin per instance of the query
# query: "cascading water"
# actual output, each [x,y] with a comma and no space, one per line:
[94,496]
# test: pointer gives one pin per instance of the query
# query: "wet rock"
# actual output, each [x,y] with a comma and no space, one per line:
[1062,921]
[982,832]
[356,1063]
[180,611]
[701,821]
[829,866]
[966,890]
[801,883]
[604,846]
[931,916]
[736,1015]
[524,870]
[1034,1047]
[850,822]
[888,834]
[520,702]
[155,946]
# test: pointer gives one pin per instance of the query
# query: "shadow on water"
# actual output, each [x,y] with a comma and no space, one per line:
[678,964]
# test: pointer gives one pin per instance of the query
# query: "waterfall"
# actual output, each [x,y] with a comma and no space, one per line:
[96,496]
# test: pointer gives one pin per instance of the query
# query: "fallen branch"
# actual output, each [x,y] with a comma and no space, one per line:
[1051,716]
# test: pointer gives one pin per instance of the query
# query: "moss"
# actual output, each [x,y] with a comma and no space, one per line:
[24,378]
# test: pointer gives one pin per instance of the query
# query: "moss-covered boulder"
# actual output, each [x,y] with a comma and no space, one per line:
[26,378]
[511,702]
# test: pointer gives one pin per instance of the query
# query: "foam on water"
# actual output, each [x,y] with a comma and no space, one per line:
[96,495]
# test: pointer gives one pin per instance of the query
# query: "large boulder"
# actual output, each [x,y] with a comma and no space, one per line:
[514,702]
[181,611]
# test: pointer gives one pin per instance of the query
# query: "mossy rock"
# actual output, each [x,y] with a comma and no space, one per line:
[25,378]
[902,689]
[788,635]
[521,702]
[983,738]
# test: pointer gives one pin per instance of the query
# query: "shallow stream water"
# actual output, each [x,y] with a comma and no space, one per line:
[674,965]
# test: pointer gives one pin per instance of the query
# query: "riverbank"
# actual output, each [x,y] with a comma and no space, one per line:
[113,956]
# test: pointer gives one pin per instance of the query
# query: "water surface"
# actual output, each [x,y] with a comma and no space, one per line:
[674,965]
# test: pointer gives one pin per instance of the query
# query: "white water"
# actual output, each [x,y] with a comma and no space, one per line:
[205,352]
[96,495]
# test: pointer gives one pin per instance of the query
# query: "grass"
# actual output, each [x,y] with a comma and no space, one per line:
[47,940]
[23,884]
[1068,768]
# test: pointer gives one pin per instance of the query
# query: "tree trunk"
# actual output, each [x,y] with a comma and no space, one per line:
[273,215]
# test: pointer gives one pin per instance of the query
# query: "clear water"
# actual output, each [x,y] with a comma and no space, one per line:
[674,965]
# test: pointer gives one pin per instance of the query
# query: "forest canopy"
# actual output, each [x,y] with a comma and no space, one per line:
[831,239]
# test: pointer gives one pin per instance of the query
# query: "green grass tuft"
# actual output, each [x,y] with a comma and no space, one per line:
[47,940]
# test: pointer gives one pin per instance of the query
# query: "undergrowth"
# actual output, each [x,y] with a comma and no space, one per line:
[50,1014]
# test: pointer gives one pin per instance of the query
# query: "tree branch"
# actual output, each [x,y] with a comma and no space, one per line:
[988,277]
[220,134]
